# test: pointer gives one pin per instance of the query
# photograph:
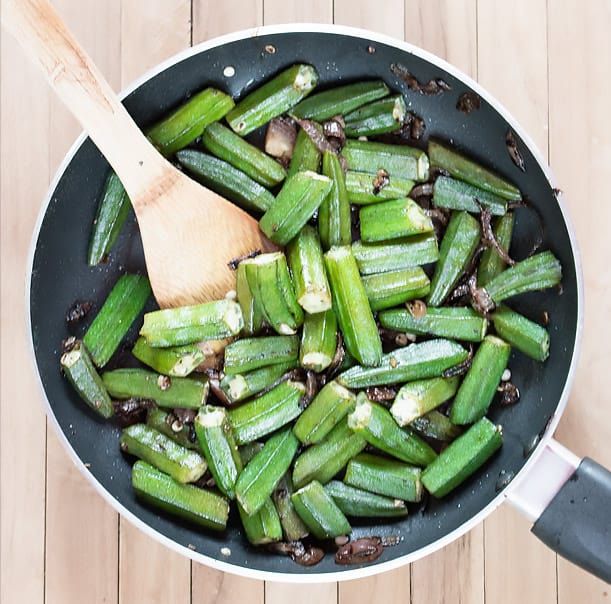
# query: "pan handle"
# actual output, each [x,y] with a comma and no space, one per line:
[569,501]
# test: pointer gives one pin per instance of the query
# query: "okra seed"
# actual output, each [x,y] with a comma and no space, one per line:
[231,295]
[225,551]
[341,540]
[506,375]
[163,382]
[270,49]
[177,425]
[371,50]
[229,71]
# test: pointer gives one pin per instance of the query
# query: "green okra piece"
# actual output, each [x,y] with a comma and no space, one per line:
[318,341]
[377,426]
[462,457]
[227,181]
[395,255]
[259,478]
[334,221]
[437,426]
[457,248]
[459,195]
[176,361]
[384,476]
[491,263]
[167,423]
[395,160]
[266,413]
[188,324]
[364,188]
[306,155]
[358,502]
[120,309]
[340,100]
[470,171]
[215,437]
[319,512]
[330,405]
[262,527]
[176,392]
[416,398]
[378,117]
[293,527]
[299,198]
[200,506]
[248,354]
[414,362]
[188,122]
[113,209]
[228,146]
[326,458]
[249,450]
[351,307]
[393,219]
[78,368]
[521,333]
[272,99]
[456,323]
[162,452]
[385,290]
[251,312]
[481,381]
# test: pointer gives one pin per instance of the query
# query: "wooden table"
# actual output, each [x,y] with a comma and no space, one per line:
[548,61]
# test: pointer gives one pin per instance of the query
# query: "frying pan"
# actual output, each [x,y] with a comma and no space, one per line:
[531,469]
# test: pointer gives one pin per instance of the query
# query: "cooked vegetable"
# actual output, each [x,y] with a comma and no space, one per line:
[384,115]
[358,502]
[251,312]
[167,423]
[334,226]
[293,527]
[491,263]
[364,188]
[306,155]
[393,219]
[522,333]
[385,290]
[263,526]
[252,353]
[437,426]
[458,195]
[318,341]
[178,361]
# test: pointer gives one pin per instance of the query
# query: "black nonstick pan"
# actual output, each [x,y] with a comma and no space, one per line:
[529,468]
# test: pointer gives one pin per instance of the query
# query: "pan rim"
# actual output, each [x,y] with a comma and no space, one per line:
[522,474]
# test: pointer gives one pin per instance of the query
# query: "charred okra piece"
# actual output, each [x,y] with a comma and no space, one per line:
[379,117]
[364,188]
[272,99]
[263,526]
[491,263]
[318,341]
[78,368]
[358,502]
[466,169]
[479,385]
[247,354]
[123,304]
[458,195]
[293,527]
[176,361]
[522,333]
[437,426]
[385,290]
[462,458]
[306,155]
[334,222]
[167,423]
[188,122]
[251,313]
[457,248]
[200,506]
[215,436]
[299,198]
[393,219]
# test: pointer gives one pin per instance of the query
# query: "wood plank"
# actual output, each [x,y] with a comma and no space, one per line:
[368,15]
[281,593]
[392,586]
[289,11]
[210,586]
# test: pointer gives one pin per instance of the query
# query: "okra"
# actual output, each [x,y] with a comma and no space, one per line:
[479,385]
[462,458]
[393,219]
[251,313]
[293,527]
[162,452]
[352,307]
[364,188]
[188,122]
[272,99]
[522,333]
[491,263]
[267,413]
[378,117]
[249,450]
[259,478]
[299,198]
[326,458]
[414,399]
[456,323]
[332,403]
[228,146]
[377,426]
[200,506]
[470,171]
[437,426]
[306,155]
[241,386]
[196,323]
[177,361]
[319,512]
[457,248]
[413,362]
[262,527]
[215,437]
[395,255]
[120,309]
[385,290]
[252,353]
[167,423]
[358,502]
[340,100]
[226,180]
[395,160]
[384,476]
[176,392]
[113,208]
[318,341]
[78,368]
[459,195]
[334,222]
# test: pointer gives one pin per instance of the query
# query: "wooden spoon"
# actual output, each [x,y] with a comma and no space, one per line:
[189,233]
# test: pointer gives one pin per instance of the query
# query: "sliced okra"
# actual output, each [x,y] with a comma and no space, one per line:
[385,290]
[456,194]
[357,502]
[251,312]
[334,222]
[247,354]
[437,426]
[306,155]
[167,423]
[293,527]
[177,361]
[378,117]
[263,526]
[318,341]
[364,188]
[491,263]
[522,333]
[393,219]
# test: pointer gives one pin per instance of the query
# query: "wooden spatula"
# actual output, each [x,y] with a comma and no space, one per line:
[189,233]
